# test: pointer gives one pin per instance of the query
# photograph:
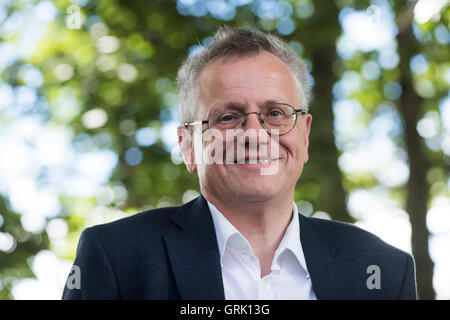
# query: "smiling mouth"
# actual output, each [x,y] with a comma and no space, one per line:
[254,161]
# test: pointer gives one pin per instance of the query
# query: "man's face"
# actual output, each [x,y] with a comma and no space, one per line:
[250,83]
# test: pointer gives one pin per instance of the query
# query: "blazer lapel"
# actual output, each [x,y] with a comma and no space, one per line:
[195,261]
[194,254]
[333,275]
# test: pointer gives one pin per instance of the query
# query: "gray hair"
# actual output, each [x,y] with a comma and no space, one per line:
[231,42]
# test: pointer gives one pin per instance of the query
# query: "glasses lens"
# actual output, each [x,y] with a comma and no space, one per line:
[226,119]
[279,117]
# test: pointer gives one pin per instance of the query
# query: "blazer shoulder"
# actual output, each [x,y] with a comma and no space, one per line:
[155,219]
[356,239]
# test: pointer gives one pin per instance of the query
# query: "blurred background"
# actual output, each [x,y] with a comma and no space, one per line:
[88,117]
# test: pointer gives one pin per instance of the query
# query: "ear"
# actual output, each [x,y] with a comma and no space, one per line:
[186,147]
[306,130]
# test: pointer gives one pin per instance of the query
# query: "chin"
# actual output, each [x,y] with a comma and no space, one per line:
[253,194]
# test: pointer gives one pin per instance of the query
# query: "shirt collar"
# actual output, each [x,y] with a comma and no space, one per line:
[224,229]
[290,241]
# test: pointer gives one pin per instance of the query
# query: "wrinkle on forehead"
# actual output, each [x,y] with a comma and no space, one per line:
[246,77]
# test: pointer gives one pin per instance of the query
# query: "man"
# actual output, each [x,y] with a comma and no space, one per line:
[245,132]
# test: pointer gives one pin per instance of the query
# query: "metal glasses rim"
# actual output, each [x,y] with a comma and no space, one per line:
[303,111]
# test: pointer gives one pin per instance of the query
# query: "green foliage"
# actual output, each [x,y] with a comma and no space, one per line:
[26,244]
[123,61]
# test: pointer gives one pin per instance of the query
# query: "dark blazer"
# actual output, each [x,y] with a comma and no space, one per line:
[172,253]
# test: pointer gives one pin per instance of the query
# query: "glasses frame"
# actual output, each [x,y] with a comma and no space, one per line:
[261,121]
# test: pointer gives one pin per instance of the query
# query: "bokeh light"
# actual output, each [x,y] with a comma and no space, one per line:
[74,133]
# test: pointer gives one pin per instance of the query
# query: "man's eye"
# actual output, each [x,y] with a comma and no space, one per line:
[275,114]
[227,117]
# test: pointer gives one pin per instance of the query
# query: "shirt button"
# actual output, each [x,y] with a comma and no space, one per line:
[243,245]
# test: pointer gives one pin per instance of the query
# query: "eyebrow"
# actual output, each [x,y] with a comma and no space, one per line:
[241,106]
[234,105]
[229,105]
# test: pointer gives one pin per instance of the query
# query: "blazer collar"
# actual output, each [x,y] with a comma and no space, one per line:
[333,275]
[194,254]
[195,260]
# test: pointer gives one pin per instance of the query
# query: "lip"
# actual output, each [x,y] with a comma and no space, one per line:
[259,162]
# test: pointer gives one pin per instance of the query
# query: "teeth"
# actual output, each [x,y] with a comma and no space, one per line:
[261,161]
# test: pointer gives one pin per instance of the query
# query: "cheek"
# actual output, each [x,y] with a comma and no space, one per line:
[294,147]
[207,174]
[301,145]
[210,161]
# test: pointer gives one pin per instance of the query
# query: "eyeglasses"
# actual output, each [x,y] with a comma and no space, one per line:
[278,118]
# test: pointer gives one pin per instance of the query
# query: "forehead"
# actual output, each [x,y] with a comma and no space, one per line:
[247,80]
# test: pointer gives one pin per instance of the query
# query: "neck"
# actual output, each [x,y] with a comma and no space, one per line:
[262,223]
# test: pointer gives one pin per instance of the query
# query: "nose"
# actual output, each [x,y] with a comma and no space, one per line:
[254,131]
[252,122]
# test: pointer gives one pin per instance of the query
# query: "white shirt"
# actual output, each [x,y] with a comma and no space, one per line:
[241,273]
